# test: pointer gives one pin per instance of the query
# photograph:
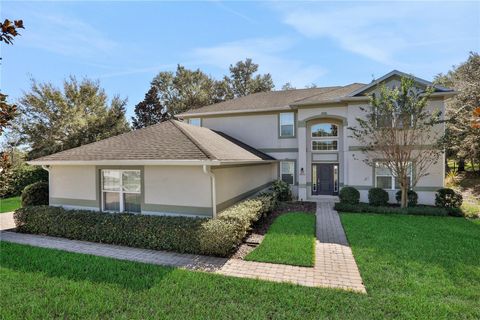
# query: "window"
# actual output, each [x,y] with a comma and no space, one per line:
[322,134]
[324,130]
[287,124]
[121,190]
[385,179]
[322,145]
[287,171]
[195,122]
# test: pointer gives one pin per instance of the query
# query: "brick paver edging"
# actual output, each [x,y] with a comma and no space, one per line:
[334,267]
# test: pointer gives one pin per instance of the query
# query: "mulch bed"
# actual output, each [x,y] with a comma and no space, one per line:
[260,228]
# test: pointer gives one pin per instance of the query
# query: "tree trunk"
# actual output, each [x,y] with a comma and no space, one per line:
[404,199]
[461,165]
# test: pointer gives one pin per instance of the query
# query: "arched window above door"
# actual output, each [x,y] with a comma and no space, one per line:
[324,130]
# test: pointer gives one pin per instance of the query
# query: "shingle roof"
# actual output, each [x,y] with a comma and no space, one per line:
[262,100]
[338,93]
[169,140]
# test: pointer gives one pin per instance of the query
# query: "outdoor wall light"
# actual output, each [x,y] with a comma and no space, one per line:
[302,172]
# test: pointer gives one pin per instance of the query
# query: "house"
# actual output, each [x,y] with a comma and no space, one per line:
[227,151]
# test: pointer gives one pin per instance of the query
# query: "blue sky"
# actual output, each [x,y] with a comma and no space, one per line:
[125,44]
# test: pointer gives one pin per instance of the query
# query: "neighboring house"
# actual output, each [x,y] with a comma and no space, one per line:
[231,150]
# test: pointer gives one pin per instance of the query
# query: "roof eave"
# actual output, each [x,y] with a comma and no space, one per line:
[213,113]
[172,162]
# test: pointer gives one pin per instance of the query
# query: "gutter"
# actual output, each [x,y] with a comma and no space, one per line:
[125,162]
[208,172]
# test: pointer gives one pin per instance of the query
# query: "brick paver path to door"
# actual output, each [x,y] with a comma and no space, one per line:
[334,267]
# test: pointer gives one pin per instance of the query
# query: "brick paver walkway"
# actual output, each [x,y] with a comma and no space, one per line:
[334,267]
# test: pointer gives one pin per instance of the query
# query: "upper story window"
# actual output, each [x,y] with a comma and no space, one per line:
[287,124]
[195,122]
[121,190]
[385,179]
[322,134]
[324,130]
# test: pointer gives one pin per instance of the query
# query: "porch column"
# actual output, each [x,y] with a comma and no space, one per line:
[302,160]
[345,161]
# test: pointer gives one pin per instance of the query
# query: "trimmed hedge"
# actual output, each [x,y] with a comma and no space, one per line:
[282,191]
[349,195]
[35,194]
[219,236]
[366,208]
[377,197]
[412,197]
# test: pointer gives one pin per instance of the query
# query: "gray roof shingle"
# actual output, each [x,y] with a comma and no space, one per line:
[274,100]
[170,140]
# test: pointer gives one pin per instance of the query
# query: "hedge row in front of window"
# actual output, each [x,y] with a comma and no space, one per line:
[218,237]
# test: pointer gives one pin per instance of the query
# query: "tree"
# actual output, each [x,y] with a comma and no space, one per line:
[8,31]
[243,82]
[288,86]
[397,122]
[463,135]
[53,120]
[150,110]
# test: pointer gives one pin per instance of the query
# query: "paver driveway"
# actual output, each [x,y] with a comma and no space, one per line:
[334,266]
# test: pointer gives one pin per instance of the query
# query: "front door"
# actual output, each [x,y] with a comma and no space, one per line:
[325,179]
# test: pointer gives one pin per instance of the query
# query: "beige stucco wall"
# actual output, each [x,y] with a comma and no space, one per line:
[236,182]
[73,182]
[259,131]
[177,186]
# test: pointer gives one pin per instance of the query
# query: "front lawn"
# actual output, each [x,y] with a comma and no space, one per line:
[289,240]
[413,268]
[10,204]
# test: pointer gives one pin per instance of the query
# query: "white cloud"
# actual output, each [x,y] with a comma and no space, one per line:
[267,52]
[66,36]
[382,31]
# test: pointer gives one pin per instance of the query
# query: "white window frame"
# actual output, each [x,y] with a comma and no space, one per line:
[392,177]
[323,140]
[286,124]
[293,174]
[121,192]
[190,120]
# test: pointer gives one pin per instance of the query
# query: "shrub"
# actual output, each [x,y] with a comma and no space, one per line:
[448,198]
[366,208]
[35,194]
[217,236]
[412,197]
[349,195]
[377,197]
[282,191]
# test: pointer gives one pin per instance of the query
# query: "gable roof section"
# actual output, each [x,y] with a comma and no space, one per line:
[396,73]
[171,141]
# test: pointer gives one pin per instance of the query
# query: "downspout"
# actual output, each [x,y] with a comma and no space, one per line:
[207,171]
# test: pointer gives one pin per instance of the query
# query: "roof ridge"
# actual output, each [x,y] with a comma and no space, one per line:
[193,140]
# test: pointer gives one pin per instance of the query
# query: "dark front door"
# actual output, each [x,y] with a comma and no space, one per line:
[325,179]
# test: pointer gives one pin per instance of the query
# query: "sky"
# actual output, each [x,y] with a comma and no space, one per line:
[124,44]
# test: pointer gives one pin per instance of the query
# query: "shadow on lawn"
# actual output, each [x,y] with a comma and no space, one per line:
[79,267]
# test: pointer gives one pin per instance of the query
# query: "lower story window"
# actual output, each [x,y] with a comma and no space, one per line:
[121,190]
[287,171]
[386,180]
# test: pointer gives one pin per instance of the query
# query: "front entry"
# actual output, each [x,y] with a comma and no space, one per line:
[325,179]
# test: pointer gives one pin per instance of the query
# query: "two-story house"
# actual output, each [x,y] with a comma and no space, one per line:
[227,151]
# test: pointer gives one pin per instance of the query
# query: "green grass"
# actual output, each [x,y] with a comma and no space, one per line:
[10,204]
[413,268]
[289,240]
